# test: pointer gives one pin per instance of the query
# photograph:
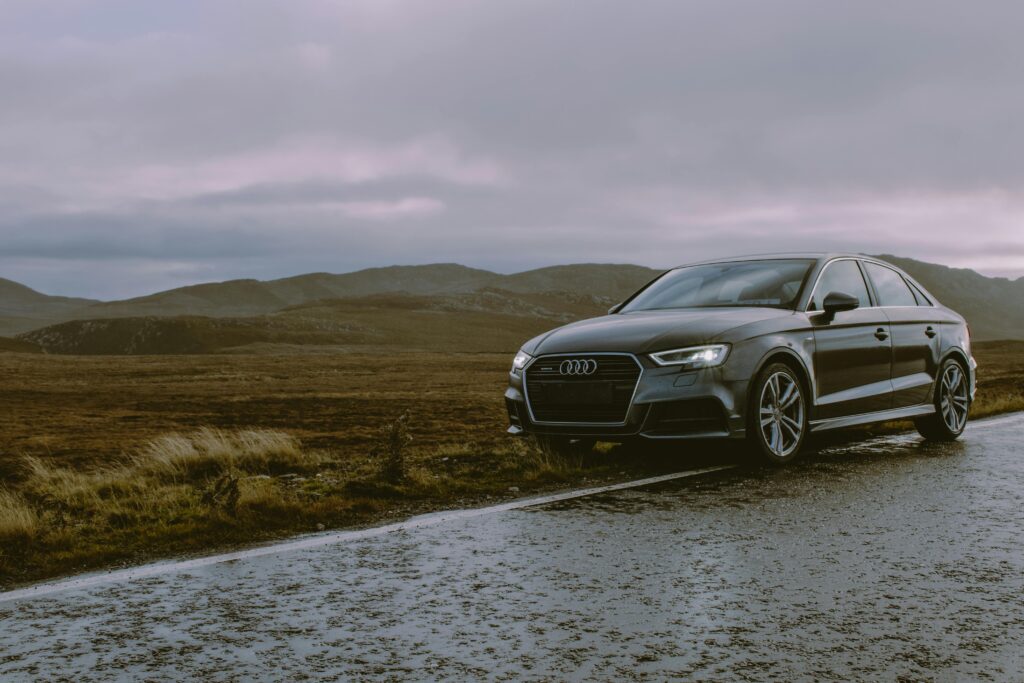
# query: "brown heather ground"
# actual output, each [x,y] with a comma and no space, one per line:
[116,460]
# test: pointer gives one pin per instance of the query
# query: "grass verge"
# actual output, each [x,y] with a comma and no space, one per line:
[106,462]
[211,488]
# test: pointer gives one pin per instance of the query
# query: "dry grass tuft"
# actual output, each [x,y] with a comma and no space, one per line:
[214,452]
[171,470]
[71,489]
[179,489]
[175,482]
[19,523]
[993,404]
[259,497]
[517,461]
[390,451]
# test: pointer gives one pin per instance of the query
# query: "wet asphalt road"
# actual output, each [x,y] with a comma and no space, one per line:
[882,561]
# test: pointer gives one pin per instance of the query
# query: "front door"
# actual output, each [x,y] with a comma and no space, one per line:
[852,349]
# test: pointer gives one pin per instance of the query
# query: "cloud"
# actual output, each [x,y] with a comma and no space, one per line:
[200,134]
[306,160]
[409,206]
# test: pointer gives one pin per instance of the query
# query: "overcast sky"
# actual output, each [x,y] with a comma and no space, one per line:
[147,145]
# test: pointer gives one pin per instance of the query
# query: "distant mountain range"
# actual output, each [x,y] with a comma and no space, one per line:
[409,307]
[23,309]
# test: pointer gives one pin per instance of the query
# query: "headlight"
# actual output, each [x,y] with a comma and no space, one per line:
[694,356]
[520,361]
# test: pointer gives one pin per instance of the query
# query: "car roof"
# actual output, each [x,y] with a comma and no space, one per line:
[821,257]
[816,255]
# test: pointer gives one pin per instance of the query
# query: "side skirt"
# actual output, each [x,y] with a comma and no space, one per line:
[866,418]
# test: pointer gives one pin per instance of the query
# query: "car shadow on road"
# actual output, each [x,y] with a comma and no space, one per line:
[832,447]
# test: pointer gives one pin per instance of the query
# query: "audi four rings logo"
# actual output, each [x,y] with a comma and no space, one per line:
[586,366]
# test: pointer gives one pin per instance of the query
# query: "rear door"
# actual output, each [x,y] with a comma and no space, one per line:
[915,335]
[852,351]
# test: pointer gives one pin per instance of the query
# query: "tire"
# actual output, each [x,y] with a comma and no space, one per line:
[952,405]
[777,423]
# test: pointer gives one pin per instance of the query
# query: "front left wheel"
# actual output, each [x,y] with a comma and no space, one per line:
[777,426]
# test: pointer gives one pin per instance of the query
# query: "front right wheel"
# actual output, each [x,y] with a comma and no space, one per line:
[777,426]
[952,405]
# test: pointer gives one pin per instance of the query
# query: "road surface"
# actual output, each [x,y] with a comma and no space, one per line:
[880,561]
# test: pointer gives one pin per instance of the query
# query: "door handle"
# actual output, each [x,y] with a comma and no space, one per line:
[881,334]
[930,331]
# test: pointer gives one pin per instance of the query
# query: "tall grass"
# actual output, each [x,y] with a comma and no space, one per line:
[178,490]
[60,488]
[172,478]
[993,404]
[18,521]
[213,452]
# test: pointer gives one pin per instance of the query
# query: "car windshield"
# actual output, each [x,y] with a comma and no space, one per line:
[773,283]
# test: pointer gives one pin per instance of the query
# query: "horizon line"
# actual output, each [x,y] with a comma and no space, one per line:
[486,270]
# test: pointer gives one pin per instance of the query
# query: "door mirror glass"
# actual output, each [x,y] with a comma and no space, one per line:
[836,302]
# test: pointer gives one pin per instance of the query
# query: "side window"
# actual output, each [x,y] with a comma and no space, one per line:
[922,300]
[890,286]
[840,276]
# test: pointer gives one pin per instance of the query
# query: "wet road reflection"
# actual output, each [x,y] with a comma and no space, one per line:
[881,560]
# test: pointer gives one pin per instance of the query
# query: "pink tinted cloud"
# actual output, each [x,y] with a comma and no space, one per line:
[406,207]
[954,228]
[320,159]
[292,161]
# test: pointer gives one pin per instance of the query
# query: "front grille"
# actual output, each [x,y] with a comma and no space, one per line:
[601,397]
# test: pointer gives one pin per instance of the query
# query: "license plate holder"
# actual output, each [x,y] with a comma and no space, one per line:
[579,394]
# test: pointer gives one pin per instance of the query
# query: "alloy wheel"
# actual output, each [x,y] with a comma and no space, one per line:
[953,398]
[781,414]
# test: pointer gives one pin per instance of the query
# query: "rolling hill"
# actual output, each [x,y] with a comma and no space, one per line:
[19,346]
[252,297]
[486,320]
[441,306]
[23,308]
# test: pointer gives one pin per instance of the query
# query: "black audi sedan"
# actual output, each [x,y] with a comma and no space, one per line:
[764,348]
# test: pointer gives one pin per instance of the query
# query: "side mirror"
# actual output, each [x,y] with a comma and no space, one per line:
[614,309]
[836,302]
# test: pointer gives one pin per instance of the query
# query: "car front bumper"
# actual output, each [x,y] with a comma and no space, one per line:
[667,404]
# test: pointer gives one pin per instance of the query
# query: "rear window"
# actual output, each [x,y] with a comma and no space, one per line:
[890,286]
[922,300]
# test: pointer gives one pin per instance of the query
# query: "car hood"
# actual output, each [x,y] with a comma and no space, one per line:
[648,331]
